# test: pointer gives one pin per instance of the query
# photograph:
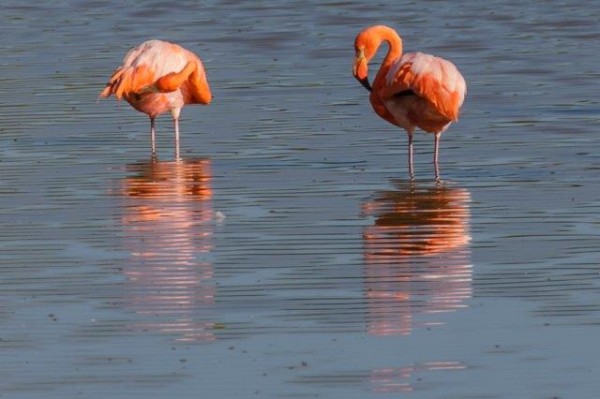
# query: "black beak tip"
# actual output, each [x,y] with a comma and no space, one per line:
[365,83]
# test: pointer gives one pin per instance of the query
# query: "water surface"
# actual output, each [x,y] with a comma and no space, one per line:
[288,255]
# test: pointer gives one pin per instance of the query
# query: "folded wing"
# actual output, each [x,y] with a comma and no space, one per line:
[159,67]
[432,78]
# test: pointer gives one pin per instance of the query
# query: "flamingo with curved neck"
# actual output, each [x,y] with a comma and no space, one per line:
[410,90]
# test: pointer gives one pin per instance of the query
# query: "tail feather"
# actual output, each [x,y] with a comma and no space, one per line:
[127,80]
[106,92]
[142,76]
[123,85]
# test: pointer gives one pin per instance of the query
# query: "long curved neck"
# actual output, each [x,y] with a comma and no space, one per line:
[388,35]
[394,44]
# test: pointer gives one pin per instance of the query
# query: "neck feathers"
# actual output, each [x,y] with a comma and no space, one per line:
[380,34]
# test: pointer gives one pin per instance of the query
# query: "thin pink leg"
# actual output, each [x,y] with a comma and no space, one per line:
[410,156]
[175,112]
[436,150]
[153,137]
[176,139]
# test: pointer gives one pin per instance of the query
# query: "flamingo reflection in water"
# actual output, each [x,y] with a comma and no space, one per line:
[417,254]
[168,223]
[398,380]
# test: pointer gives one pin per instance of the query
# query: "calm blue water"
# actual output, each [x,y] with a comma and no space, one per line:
[287,255]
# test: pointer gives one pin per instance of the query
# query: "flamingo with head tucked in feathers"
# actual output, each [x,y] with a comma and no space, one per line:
[157,77]
[411,90]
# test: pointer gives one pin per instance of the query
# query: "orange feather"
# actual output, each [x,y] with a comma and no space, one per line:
[157,77]
[411,90]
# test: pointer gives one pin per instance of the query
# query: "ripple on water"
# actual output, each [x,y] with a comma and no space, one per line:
[113,270]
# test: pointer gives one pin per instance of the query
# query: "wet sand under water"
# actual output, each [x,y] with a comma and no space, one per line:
[287,254]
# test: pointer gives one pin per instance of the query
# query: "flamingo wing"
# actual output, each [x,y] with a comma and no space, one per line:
[159,66]
[138,71]
[432,78]
[178,68]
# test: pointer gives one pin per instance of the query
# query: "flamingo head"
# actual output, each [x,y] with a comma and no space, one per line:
[361,69]
[365,46]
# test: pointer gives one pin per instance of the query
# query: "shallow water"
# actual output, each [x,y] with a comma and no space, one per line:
[288,255]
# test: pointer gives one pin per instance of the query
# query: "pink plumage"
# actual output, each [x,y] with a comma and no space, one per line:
[157,77]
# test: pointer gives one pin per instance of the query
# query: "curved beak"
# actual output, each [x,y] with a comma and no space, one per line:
[365,83]
[361,71]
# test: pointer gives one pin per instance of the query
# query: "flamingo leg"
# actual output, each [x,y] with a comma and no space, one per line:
[436,150]
[410,156]
[176,122]
[153,136]
[175,112]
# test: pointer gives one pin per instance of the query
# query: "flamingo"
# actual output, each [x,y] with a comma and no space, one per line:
[410,90]
[157,77]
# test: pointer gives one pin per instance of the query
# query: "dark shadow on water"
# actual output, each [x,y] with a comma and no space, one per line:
[167,219]
[417,255]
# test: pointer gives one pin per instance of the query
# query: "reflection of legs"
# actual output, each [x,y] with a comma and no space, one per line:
[153,136]
[436,149]
[175,112]
[410,156]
